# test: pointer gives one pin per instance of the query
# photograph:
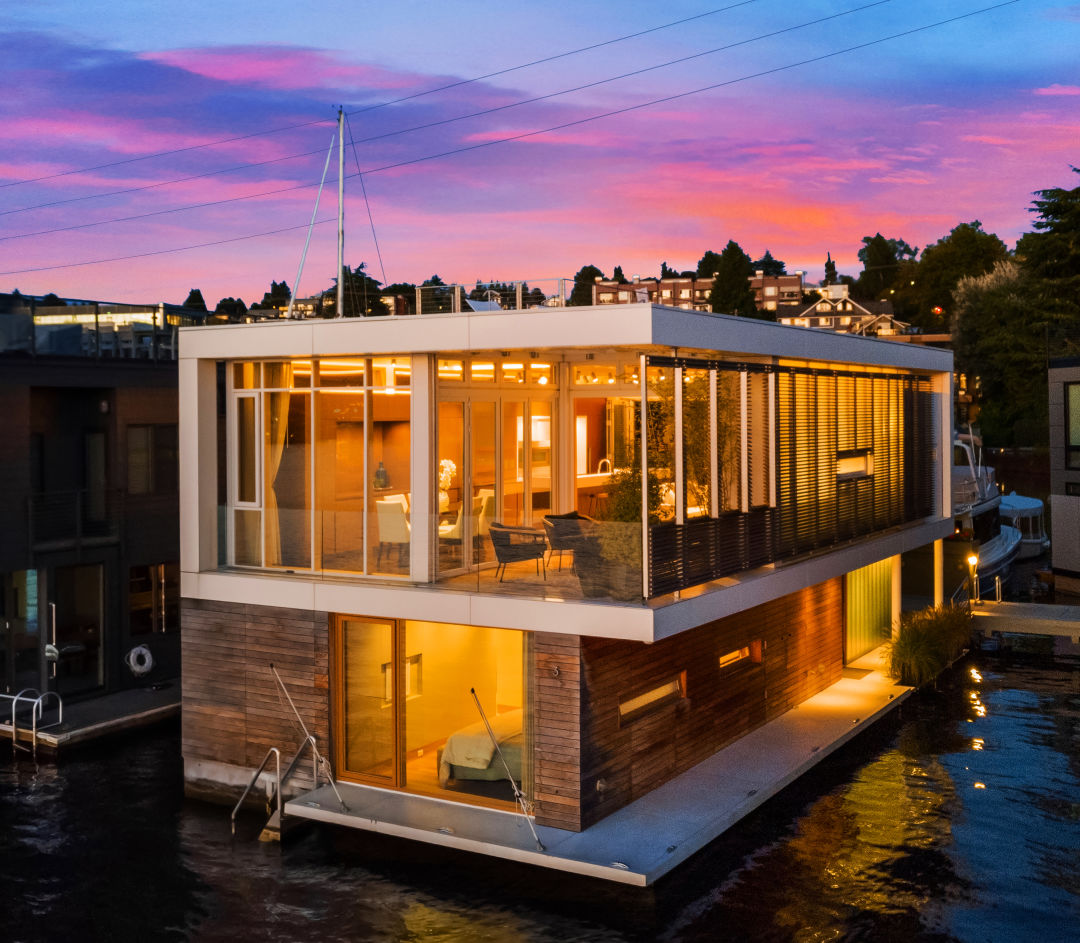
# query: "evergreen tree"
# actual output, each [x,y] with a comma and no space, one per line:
[583,285]
[708,265]
[361,295]
[666,272]
[830,270]
[277,297]
[731,292]
[770,266]
[618,276]
[195,301]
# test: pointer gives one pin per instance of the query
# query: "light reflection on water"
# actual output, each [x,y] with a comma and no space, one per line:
[892,840]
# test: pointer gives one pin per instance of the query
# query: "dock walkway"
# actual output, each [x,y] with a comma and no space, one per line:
[96,717]
[1028,618]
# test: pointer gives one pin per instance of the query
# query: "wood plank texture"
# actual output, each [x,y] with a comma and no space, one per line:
[233,709]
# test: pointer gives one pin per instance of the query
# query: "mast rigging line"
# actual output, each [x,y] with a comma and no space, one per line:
[393,101]
[526,134]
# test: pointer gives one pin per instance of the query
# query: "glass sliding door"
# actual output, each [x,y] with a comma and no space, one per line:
[405,715]
[367,699]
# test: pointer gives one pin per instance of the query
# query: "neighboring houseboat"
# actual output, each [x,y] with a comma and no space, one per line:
[90,558]
[1026,515]
[978,529]
[385,509]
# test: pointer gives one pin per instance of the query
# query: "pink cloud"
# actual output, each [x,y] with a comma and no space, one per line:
[281,67]
[1056,89]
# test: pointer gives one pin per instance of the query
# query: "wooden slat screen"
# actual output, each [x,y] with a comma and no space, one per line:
[882,424]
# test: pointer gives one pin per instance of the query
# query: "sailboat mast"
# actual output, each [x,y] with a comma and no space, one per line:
[341,214]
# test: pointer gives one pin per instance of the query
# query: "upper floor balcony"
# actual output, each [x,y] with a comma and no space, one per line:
[605,474]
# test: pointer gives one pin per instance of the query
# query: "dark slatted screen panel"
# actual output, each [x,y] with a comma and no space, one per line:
[882,425]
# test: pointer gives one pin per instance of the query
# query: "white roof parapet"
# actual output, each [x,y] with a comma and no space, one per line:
[628,325]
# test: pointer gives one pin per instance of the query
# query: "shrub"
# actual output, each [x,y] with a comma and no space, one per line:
[927,642]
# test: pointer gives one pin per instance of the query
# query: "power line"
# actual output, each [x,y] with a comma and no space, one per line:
[393,101]
[476,114]
[559,127]
[143,255]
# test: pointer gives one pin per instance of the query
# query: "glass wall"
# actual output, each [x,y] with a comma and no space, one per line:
[319,464]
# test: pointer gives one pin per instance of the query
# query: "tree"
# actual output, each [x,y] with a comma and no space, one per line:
[1000,341]
[709,264]
[881,259]
[232,308]
[618,276]
[583,285]
[731,292]
[770,266]
[830,270]
[361,296]
[1052,252]
[666,272]
[406,290]
[195,301]
[52,301]
[278,296]
[966,252]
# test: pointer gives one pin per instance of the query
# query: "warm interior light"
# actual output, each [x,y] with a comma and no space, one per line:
[973,561]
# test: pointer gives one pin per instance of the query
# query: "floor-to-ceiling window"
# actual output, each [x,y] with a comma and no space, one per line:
[319,464]
[432,708]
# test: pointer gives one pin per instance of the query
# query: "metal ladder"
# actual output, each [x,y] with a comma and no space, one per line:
[36,699]
[272,830]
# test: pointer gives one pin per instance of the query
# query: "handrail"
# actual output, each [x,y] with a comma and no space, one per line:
[15,698]
[36,715]
[258,772]
[295,762]
[36,699]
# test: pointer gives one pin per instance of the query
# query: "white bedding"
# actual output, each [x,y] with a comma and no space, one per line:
[471,746]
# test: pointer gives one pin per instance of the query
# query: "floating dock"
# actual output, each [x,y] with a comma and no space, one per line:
[83,721]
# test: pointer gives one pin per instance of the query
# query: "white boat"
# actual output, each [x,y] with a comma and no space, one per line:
[1026,515]
[976,513]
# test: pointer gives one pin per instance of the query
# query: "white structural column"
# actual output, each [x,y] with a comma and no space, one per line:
[198,457]
[422,423]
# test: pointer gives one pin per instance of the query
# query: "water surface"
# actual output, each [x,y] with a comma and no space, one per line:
[958,819]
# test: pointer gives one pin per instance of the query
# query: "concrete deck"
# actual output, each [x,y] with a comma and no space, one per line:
[645,840]
[1028,618]
[93,718]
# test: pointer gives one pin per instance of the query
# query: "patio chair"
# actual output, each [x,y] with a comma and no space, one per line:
[514,544]
[566,532]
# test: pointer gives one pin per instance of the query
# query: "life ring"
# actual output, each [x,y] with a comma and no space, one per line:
[139,660]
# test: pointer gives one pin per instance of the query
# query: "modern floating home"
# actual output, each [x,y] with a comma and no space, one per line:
[571,552]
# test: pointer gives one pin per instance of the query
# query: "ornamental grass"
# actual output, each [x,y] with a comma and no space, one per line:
[928,641]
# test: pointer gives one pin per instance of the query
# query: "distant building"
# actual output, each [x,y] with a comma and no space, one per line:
[771,292]
[836,310]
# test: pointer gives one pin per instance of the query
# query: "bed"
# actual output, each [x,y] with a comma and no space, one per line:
[469,753]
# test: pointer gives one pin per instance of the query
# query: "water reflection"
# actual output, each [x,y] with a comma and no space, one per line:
[944,823]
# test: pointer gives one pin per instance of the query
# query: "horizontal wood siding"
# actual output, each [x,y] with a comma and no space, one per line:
[233,711]
[802,636]
[557,717]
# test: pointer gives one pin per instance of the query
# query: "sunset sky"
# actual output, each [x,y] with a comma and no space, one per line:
[807,128]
